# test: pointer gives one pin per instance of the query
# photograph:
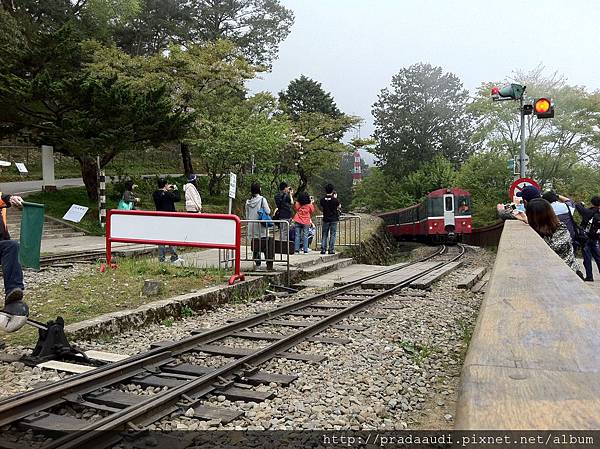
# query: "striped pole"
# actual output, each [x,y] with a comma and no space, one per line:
[101,195]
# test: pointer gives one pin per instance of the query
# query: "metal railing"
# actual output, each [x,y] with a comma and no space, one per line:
[271,243]
[348,231]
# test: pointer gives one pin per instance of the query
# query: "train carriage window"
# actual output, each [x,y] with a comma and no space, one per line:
[464,205]
[449,203]
[436,207]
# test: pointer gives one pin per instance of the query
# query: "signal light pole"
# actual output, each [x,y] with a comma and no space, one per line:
[541,107]
[515,92]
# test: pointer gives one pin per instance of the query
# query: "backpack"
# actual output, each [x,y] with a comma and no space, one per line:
[593,227]
[263,216]
[125,205]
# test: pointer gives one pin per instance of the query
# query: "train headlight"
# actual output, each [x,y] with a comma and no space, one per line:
[430,228]
[464,223]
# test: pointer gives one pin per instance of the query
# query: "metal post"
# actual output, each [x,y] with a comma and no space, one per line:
[522,162]
[102,194]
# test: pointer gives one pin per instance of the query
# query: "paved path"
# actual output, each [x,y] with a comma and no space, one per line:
[25,187]
[596,284]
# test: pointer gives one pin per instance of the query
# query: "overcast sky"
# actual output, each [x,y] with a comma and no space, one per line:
[354,47]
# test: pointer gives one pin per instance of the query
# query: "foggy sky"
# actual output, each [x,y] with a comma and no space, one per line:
[354,47]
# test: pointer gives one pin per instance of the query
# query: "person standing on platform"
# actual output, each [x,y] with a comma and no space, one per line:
[331,208]
[13,315]
[193,201]
[591,223]
[164,199]
[258,232]
[129,197]
[305,208]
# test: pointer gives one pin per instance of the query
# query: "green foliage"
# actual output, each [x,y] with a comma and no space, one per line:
[257,27]
[307,95]
[418,352]
[420,116]
[318,127]
[340,175]
[555,146]
[228,139]
[433,175]
[167,322]
[487,178]
[379,192]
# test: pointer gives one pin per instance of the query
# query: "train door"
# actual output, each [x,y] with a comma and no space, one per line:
[449,225]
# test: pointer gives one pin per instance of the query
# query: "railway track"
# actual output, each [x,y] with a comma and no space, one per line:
[184,386]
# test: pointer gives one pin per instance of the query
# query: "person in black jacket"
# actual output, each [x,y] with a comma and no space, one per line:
[591,249]
[283,202]
[164,199]
[15,312]
[330,206]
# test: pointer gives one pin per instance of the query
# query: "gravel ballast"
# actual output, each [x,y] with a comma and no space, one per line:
[400,372]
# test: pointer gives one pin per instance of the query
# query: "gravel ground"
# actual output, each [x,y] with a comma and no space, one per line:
[400,372]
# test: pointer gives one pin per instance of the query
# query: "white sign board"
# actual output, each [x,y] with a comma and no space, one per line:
[232,185]
[75,213]
[21,167]
[173,229]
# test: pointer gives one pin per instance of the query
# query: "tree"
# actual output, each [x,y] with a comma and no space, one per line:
[257,27]
[379,192]
[318,125]
[420,116]
[433,175]
[231,133]
[304,95]
[554,146]
[202,78]
[487,177]
[86,100]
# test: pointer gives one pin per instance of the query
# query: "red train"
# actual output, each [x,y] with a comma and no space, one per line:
[444,216]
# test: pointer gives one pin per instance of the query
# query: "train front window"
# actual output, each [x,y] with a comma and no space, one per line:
[464,205]
[449,204]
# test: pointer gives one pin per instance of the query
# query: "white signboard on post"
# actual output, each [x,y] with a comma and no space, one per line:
[232,185]
[21,167]
[75,213]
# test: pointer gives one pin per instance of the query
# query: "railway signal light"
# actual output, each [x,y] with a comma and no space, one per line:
[510,92]
[543,108]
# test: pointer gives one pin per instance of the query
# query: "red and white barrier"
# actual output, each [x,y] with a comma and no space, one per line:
[175,229]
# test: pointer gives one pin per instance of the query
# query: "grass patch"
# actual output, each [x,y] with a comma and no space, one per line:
[92,293]
[418,352]
[466,331]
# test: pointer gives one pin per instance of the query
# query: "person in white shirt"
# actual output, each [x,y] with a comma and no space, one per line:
[193,202]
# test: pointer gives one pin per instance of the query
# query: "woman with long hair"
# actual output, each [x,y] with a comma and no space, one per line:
[543,220]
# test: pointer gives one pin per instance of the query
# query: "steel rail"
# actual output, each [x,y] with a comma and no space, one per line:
[92,437]
[23,404]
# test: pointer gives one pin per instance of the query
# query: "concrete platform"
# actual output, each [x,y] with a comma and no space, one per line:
[343,276]
[210,259]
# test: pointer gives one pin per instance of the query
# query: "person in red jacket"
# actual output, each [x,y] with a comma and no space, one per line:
[304,209]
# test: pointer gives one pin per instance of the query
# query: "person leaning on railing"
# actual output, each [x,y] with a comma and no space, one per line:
[543,220]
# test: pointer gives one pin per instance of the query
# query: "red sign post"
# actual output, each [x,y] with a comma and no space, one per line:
[518,185]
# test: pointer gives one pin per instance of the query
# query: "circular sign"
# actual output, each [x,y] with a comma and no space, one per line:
[518,185]
[542,106]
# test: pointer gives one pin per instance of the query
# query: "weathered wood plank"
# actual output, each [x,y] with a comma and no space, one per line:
[534,358]
[246,395]
[66,367]
[470,279]
[389,280]
[426,281]
[105,356]
[216,413]
[51,423]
